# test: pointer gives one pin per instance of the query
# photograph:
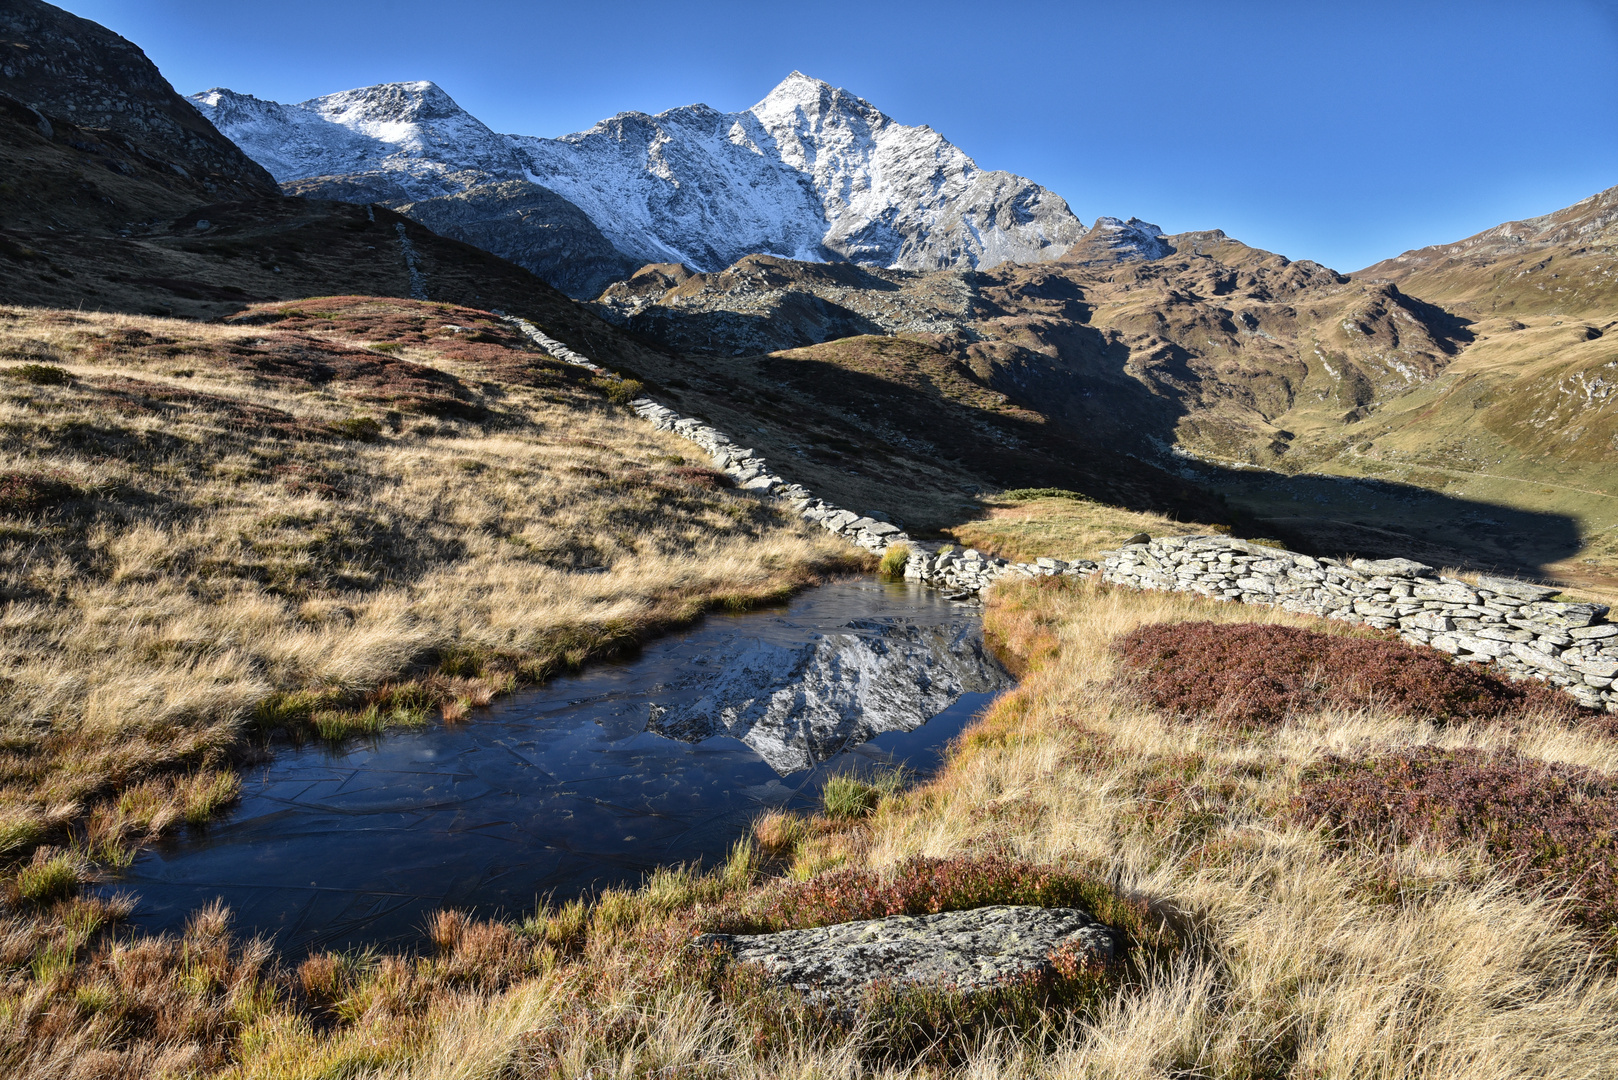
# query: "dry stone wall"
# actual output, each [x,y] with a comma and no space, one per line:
[1511,624]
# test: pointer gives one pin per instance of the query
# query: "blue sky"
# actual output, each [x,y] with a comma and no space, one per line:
[1340,132]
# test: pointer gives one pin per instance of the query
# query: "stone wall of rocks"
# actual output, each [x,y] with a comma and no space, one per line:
[1501,621]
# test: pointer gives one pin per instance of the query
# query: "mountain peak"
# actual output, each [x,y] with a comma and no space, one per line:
[398,102]
[816,99]
[810,172]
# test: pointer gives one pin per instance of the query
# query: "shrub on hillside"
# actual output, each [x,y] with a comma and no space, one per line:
[40,374]
[24,494]
[702,477]
[618,391]
[1251,674]
[1029,494]
[358,428]
[1544,824]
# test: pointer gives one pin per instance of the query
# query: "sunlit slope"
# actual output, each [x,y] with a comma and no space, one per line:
[1562,263]
[323,517]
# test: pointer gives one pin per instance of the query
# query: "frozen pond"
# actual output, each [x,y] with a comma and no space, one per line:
[588,781]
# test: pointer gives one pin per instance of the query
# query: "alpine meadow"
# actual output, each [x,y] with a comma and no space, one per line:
[751,592]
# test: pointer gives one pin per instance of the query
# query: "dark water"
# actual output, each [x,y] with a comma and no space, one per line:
[589,781]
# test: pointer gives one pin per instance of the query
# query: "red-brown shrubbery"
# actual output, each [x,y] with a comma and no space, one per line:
[1545,824]
[701,477]
[24,494]
[910,1023]
[1253,674]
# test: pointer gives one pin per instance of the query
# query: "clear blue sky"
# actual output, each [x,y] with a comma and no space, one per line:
[1342,132]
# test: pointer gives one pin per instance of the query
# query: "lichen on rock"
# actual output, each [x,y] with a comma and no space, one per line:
[964,950]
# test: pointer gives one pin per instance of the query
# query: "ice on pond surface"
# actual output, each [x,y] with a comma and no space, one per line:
[589,781]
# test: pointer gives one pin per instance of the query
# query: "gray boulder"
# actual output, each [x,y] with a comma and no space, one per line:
[963,949]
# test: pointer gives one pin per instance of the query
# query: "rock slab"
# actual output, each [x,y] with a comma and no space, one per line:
[963,949]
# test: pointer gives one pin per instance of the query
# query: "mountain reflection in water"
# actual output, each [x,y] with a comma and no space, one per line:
[588,781]
[798,706]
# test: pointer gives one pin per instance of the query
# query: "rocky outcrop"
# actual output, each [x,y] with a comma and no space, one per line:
[1511,624]
[1112,240]
[965,950]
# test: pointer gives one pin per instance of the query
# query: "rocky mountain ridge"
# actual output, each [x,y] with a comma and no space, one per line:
[1565,261]
[811,173]
[56,65]
[1138,338]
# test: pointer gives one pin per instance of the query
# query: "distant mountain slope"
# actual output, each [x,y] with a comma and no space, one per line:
[811,172]
[1565,261]
[1141,340]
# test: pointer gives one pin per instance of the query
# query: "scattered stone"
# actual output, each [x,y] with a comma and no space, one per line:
[961,949]
[1520,590]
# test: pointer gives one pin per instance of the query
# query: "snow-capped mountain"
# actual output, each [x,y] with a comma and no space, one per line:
[410,136]
[811,172]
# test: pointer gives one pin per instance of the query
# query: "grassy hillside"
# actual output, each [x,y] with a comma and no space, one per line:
[317,520]
[1561,262]
[1023,525]
[897,425]
[1487,438]
[1281,923]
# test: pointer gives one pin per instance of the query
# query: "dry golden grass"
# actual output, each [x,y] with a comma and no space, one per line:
[1023,529]
[219,554]
[1296,957]
[1300,967]
[1296,962]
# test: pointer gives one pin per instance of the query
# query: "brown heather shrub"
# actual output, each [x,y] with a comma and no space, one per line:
[701,477]
[1545,824]
[25,494]
[1256,674]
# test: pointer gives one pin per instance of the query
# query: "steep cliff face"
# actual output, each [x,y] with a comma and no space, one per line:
[905,197]
[810,173]
[531,226]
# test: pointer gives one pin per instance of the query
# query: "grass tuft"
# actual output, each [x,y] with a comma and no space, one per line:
[847,796]
[51,876]
[893,561]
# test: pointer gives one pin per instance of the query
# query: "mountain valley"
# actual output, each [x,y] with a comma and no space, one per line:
[492,606]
